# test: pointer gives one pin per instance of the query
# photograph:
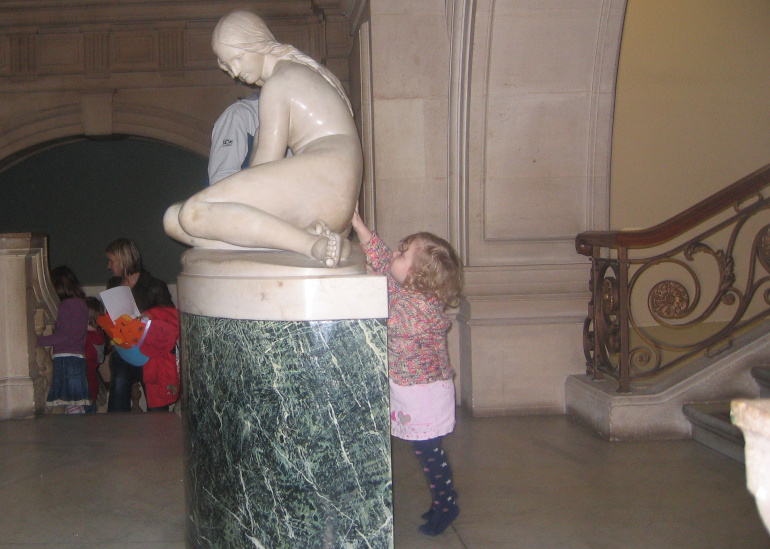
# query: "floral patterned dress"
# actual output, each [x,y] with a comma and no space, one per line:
[422,395]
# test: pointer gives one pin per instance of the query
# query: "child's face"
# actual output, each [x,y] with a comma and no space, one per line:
[402,262]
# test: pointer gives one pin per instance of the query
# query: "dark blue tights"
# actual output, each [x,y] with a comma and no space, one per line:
[438,473]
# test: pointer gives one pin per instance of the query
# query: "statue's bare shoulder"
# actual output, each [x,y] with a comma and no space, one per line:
[295,87]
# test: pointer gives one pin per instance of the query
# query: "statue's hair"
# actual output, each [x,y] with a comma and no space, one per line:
[436,269]
[247,31]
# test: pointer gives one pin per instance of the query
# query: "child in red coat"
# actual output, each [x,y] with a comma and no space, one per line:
[160,372]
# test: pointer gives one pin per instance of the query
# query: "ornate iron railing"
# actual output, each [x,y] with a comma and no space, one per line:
[704,276]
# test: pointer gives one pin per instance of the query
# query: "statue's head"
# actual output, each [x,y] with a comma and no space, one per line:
[245,31]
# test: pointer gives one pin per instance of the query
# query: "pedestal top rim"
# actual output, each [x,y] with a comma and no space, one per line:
[265,264]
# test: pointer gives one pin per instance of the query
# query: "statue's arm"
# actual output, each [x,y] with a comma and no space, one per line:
[274,123]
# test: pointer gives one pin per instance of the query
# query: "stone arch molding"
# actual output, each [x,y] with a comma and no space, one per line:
[99,117]
[73,69]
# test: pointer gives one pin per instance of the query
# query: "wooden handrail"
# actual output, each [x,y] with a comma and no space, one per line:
[585,242]
[615,344]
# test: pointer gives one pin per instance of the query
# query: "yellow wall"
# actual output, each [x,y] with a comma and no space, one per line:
[692,111]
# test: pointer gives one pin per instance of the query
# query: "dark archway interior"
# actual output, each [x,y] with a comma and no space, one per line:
[84,194]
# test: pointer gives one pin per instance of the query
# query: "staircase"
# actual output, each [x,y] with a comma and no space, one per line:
[712,425]
[679,313]
[656,410]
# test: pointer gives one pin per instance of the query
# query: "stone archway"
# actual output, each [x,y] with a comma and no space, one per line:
[104,68]
[136,68]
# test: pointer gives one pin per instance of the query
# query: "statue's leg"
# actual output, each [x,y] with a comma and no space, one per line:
[172,227]
[174,230]
[201,224]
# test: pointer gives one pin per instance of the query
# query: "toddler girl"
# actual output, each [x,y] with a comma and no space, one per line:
[424,277]
[69,387]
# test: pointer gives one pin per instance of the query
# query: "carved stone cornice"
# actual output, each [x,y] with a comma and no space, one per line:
[101,67]
[353,10]
[343,7]
[60,13]
[53,42]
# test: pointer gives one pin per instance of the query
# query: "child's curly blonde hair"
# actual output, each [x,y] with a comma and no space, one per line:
[436,269]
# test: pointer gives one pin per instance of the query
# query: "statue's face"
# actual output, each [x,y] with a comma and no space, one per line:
[246,66]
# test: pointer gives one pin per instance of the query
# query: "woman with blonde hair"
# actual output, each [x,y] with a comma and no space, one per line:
[125,263]
[302,203]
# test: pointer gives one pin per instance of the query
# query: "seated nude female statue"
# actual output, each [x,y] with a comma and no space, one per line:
[303,203]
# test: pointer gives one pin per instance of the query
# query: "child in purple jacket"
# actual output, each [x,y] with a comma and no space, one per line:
[69,387]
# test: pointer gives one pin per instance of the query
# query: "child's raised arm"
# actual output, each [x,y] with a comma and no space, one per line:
[363,232]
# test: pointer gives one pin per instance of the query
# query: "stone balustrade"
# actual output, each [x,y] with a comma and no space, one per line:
[753,417]
[28,306]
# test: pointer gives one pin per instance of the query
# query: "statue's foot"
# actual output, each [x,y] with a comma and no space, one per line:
[346,249]
[317,227]
[328,248]
[337,247]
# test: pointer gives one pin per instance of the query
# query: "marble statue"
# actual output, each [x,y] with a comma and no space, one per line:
[303,203]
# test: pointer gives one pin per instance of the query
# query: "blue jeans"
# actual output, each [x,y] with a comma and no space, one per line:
[123,377]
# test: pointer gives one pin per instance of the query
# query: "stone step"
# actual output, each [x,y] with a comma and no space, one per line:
[761,375]
[712,427]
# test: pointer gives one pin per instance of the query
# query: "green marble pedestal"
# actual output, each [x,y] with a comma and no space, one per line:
[286,419]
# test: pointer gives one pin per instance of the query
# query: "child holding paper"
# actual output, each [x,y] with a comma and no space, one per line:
[146,342]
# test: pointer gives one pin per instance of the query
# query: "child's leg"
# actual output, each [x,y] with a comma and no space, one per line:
[435,466]
[123,377]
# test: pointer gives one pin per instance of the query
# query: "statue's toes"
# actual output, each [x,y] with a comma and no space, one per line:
[317,227]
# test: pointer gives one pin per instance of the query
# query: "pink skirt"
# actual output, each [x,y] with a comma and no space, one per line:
[422,412]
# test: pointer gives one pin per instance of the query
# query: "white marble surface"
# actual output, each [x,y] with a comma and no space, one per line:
[274,285]
[753,417]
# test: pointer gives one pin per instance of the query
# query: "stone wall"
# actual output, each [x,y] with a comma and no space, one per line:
[492,126]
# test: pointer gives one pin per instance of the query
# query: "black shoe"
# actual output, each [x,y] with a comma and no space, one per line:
[440,521]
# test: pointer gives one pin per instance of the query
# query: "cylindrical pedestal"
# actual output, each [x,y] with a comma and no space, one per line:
[285,405]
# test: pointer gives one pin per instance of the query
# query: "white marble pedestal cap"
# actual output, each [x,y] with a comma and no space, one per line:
[753,417]
[278,285]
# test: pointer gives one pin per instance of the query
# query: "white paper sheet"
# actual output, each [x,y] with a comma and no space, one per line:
[119,301]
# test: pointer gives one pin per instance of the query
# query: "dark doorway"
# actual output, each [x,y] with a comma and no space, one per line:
[84,194]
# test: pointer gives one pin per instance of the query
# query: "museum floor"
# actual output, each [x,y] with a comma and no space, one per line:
[115,481]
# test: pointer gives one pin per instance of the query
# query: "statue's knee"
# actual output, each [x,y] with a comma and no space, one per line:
[171,218]
[186,218]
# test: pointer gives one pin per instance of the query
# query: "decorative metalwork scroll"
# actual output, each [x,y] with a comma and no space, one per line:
[681,290]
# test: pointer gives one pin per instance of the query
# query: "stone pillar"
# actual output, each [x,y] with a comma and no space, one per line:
[285,402]
[28,306]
